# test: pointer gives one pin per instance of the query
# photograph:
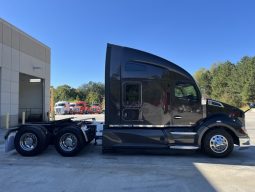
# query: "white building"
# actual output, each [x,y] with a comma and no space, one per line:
[24,76]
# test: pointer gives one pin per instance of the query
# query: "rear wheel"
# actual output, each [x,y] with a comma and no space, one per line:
[30,141]
[218,143]
[69,141]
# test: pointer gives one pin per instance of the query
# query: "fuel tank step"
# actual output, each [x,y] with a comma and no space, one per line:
[184,147]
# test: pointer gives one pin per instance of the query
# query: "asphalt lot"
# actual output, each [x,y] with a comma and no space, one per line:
[93,171]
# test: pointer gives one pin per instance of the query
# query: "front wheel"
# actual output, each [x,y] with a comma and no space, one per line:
[218,143]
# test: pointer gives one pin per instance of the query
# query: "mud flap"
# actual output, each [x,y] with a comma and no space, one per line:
[9,141]
[84,129]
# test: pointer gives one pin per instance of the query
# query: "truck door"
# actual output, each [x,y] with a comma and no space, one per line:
[187,108]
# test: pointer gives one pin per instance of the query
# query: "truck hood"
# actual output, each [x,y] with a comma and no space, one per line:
[216,107]
[59,107]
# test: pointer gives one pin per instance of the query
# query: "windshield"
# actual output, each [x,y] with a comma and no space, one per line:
[60,105]
[72,105]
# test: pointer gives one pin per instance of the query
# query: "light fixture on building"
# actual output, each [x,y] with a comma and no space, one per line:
[34,80]
[35,67]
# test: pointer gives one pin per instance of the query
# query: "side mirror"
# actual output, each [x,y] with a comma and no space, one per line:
[251,105]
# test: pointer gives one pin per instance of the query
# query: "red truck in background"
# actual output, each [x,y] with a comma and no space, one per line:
[95,109]
[81,107]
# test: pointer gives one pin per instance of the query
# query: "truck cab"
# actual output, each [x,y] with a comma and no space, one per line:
[95,108]
[72,107]
[152,103]
[62,108]
[81,107]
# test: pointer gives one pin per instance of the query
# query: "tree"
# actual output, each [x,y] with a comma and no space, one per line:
[246,74]
[90,92]
[222,88]
[103,104]
[198,75]
[231,83]
[93,97]
[94,92]
[63,93]
[204,78]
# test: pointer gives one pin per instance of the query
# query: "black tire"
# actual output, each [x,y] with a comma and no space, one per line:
[36,135]
[210,143]
[75,135]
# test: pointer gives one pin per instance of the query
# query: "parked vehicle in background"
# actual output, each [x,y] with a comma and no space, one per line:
[81,107]
[72,106]
[62,108]
[95,109]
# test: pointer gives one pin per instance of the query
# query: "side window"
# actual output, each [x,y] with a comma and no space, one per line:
[135,67]
[132,101]
[185,91]
[132,94]
[142,71]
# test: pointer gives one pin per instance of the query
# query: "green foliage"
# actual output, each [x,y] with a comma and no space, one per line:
[93,97]
[230,83]
[205,83]
[198,75]
[91,92]
[64,93]
[103,104]
[221,82]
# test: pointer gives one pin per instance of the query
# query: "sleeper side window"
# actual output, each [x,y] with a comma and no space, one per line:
[132,101]
[132,94]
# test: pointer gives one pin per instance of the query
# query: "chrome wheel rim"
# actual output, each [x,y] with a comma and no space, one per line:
[28,141]
[218,144]
[68,142]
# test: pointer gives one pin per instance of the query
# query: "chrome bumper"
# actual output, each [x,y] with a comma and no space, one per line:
[244,142]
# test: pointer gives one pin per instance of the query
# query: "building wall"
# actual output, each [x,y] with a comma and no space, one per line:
[20,53]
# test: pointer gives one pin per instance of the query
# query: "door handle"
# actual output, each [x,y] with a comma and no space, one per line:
[177,117]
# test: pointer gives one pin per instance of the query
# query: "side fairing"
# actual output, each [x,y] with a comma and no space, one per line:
[112,85]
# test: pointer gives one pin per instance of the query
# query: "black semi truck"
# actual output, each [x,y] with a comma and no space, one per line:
[151,103]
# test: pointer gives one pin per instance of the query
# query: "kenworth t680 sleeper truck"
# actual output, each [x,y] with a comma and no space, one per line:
[151,103]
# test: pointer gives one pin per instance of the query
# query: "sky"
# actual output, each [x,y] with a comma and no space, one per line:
[191,33]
